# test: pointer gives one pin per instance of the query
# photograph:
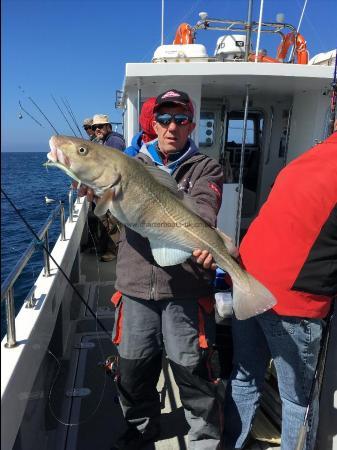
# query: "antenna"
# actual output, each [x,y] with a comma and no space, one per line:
[280,17]
[162,21]
[298,29]
[203,15]
[259,31]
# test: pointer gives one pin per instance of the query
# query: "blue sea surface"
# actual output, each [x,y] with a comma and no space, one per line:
[26,181]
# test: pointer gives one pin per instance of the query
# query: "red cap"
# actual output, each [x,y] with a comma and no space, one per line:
[174,96]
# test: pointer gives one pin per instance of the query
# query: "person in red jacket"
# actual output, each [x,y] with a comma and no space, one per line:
[291,247]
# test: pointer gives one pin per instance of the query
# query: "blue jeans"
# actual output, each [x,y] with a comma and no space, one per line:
[294,344]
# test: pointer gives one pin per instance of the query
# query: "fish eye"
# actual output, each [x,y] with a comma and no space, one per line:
[83,151]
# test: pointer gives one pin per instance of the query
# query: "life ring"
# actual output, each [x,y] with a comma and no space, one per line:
[301,51]
[184,34]
[262,58]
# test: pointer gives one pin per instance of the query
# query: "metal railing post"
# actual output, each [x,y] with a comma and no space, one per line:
[242,163]
[10,317]
[248,29]
[70,197]
[7,292]
[63,222]
[46,256]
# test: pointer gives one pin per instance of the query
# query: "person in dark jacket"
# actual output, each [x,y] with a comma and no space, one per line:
[87,126]
[103,132]
[291,247]
[147,132]
[169,308]
[109,231]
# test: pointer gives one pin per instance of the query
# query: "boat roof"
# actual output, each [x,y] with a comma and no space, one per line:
[232,77]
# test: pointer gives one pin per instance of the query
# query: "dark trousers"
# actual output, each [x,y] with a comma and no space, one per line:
[142,330]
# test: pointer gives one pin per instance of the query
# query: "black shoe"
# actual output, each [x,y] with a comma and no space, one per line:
[132,439]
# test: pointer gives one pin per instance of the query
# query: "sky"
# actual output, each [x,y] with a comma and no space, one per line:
[76,51]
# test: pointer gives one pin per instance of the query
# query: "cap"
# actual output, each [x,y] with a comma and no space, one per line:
[87,122]
[100,119]
[174,96]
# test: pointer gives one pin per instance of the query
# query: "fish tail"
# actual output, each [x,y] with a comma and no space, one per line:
[251,298]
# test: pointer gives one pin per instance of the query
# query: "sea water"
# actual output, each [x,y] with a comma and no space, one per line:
[27,182]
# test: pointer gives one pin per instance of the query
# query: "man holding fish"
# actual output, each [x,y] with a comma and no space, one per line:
[171,306]
[168,198]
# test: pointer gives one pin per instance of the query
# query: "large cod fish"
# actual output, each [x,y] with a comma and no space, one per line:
[147,200]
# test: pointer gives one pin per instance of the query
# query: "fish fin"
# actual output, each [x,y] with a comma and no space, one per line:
[168,256]
[104,203]
[169,182]
[165,179]
[250,303]
[228,241]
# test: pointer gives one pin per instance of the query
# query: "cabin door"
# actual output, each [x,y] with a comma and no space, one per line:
[212,132]
[230,157]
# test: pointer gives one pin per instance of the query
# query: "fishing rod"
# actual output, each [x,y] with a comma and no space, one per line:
[63,115]
[333,100]
[74,118]
[316,384]
[41,243]
[26,112]
[34,103]
[67,105]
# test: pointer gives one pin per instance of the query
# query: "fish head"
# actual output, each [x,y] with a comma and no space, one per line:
[92,164]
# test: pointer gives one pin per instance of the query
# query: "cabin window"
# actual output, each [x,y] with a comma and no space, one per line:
[206,129]
[235,127]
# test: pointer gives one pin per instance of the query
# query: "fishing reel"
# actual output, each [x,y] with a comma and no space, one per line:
[110,366]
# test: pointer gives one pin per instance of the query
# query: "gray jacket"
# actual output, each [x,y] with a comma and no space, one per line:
[137,273]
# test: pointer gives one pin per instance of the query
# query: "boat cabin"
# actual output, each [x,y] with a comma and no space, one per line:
[287,113]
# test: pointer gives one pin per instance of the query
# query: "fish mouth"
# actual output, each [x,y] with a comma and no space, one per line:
[56,158]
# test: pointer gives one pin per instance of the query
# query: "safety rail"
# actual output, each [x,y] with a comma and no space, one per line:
[241,25]
[248,28]
[7,287]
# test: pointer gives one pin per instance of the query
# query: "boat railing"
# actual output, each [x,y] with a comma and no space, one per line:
[7,287]
[241,25]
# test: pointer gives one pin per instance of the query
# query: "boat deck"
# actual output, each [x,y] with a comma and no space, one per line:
[94,410]
[84,396]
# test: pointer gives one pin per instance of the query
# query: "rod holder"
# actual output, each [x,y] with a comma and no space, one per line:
[63,222]
[46,256]
[70,198]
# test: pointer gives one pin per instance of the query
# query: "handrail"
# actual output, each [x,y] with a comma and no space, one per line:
[7,291]
[241,25]
[20,265]
[270,134]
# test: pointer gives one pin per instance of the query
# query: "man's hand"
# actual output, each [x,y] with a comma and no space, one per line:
[204,258]
[85,191]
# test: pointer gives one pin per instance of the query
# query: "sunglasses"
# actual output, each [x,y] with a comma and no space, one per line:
[178,119]
[98,127]
[87,127]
